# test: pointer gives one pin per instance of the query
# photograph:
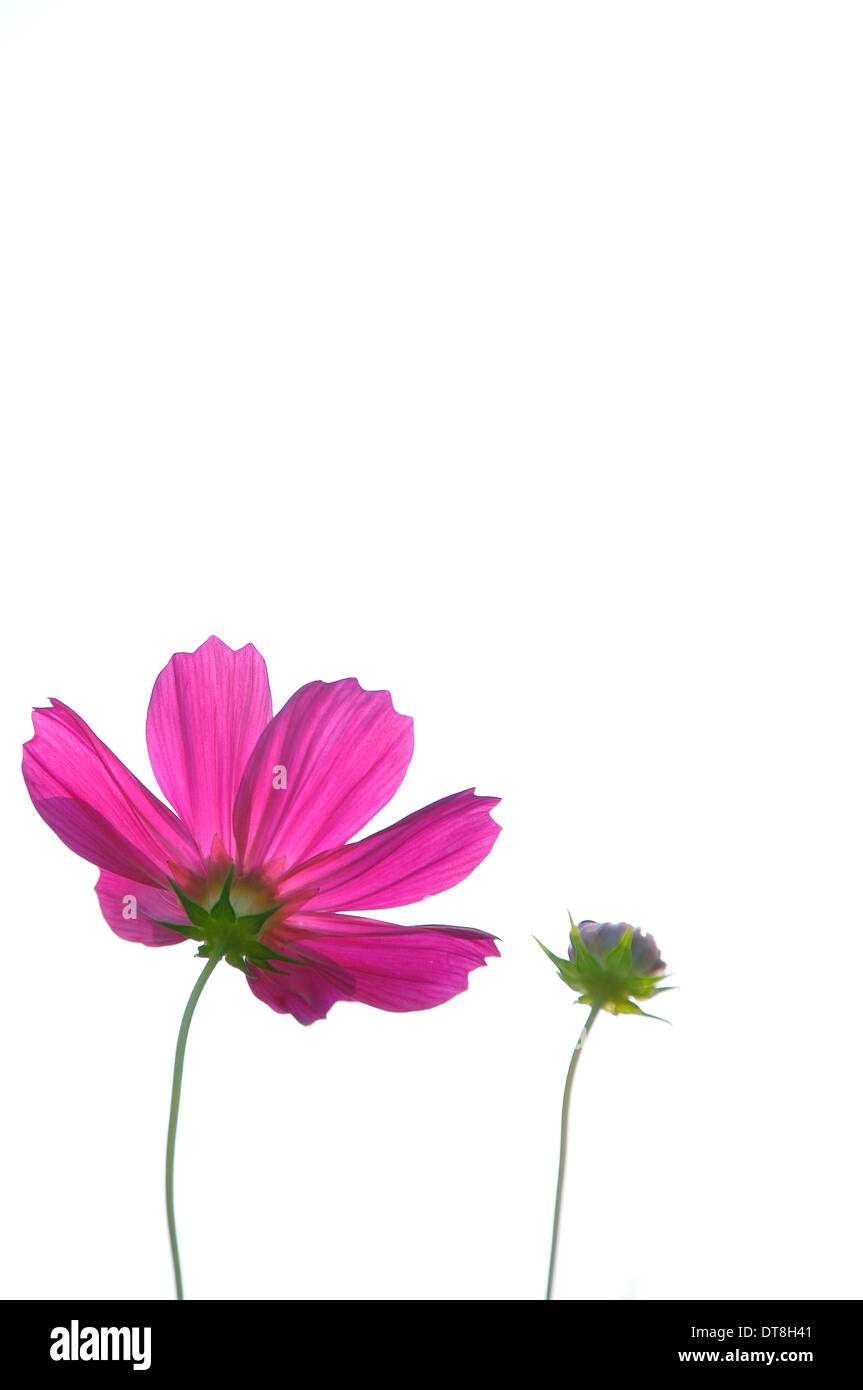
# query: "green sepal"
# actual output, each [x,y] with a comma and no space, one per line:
[257,919]
[195,913]
[268,963]
[222,910]
[626,1006]
[259,954]
[558,960]
[620,956]
[184,930]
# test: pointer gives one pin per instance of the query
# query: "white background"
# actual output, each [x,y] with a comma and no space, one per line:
[506,356]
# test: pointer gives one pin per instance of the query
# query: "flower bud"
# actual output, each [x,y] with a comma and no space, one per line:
[610,965]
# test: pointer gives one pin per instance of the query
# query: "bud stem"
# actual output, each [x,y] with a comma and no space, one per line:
[175,1111]
[564,1121]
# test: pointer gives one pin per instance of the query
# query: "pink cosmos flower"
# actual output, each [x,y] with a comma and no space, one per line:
[256,864]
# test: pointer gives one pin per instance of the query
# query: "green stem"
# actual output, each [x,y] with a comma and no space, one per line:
[564,1121]
[175,1111]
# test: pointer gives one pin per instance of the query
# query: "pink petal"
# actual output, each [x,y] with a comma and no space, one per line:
[95,804]
[425,853]
[207,711]
[340,753]
[308,994]
[400,969]
[134,910]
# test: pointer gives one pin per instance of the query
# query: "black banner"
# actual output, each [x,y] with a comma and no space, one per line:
[397,1341]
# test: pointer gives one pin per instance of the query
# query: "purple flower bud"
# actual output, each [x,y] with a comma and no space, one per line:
[645,954]
[600,938]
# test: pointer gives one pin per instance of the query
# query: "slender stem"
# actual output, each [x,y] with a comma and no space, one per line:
[564,1120]
[175,1111]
